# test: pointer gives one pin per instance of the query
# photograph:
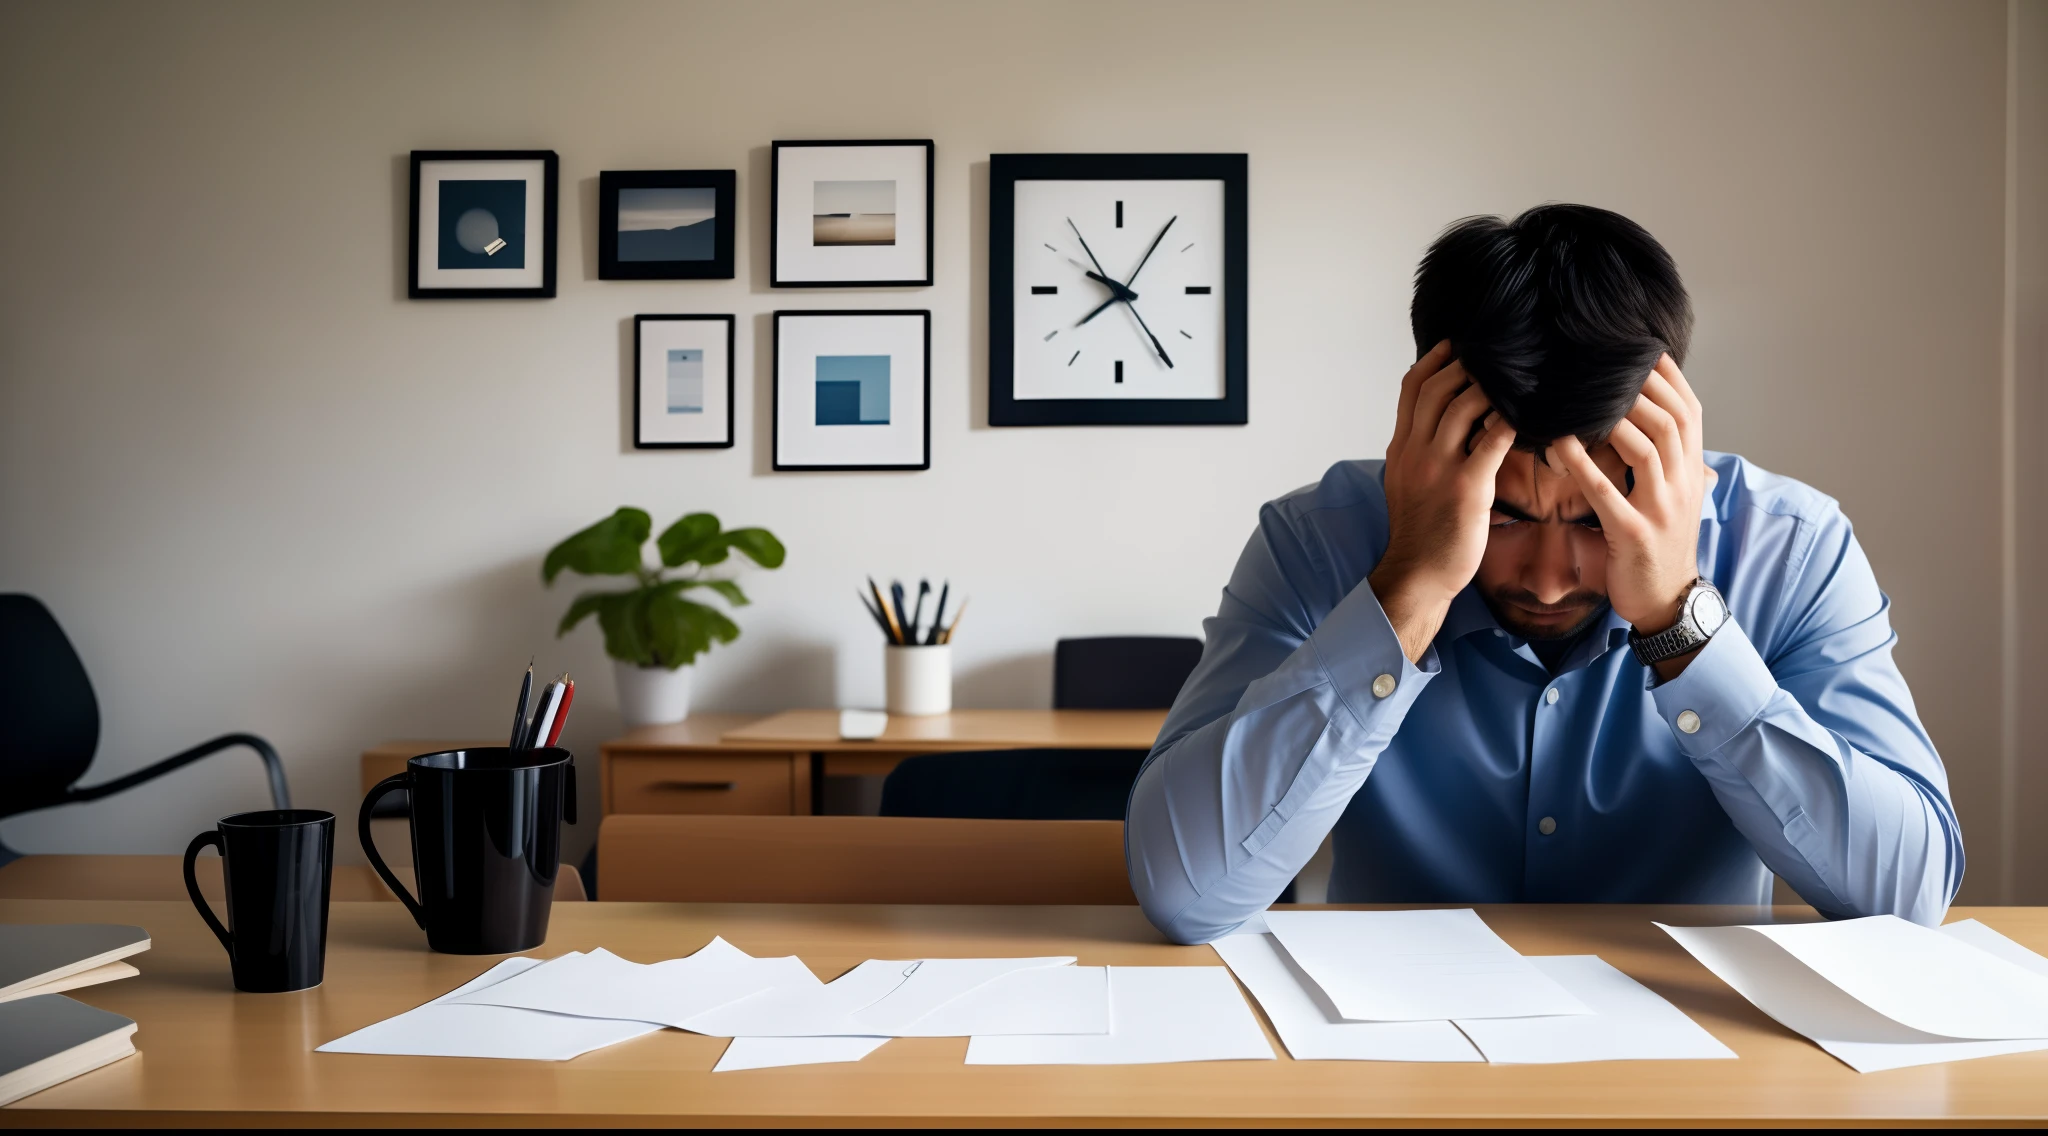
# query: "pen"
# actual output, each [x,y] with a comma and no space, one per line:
[562,715]
[948,636]
[874,612]
[519,713]
[939,616]
[888,620]
[924,588]
[902,619]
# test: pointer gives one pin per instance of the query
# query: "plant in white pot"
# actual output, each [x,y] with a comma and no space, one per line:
[651,632]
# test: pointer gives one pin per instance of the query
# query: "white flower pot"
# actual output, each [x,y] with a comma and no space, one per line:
[919,680]
[652,696]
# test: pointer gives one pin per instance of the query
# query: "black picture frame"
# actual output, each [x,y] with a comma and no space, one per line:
[641,378]
[550,209]
[775,391]
[1005,171]
[723,183]
[775,279]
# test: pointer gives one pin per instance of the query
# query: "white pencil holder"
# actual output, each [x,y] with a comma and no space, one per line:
[919,679]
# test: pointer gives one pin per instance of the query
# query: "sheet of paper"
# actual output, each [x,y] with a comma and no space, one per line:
[1629,1022]
[1048,999]
[1919,977]
[443,1029]
[603,985]
[1776,982]
[806,1011]
[1156,1014]
[1991,942]
[932,983]
[772,1052]
[1310,1026]
[1390,966]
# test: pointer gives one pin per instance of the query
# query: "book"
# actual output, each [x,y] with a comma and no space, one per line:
[43,958]
[47,1039]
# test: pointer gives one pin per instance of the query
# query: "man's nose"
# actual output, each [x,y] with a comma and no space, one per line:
[1552,573]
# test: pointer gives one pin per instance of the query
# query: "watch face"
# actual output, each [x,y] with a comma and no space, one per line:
[1119,289]
[1709,610]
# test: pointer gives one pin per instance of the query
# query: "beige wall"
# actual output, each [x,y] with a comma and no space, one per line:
[265,491]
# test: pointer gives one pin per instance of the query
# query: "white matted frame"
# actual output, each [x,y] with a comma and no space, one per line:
[827,412]
[800,255]
[534,278]
[682,382]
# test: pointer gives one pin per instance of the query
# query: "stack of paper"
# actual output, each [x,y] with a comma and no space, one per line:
[1883,993]
[1441,986]
[1157,1014]
[445,1028]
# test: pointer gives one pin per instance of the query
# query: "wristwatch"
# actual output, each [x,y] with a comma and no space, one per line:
[1700,615]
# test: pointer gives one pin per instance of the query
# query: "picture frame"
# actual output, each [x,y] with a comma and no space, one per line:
[683,382]
[482,225]
[665,224]
[850,214]
[1194,289]
[852,390]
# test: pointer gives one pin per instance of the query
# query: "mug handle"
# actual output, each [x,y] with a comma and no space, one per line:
[210,836]
[395,781]
[571,770]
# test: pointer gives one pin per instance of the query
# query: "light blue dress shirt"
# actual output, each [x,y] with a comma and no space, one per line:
[1788,745]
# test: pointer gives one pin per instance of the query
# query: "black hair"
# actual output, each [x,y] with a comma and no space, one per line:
[1559,315]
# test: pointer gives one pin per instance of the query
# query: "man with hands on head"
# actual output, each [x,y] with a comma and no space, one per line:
[1551,648]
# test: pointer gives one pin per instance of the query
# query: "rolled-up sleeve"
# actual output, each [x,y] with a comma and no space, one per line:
[1816,752]
[1277,728]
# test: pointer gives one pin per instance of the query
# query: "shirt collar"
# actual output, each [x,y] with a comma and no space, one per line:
[1469,615]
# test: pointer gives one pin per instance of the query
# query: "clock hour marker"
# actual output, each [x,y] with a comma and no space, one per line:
[1187,246]
[1198,289]
[1119,224]
[1119,370]
[1045,290]
[1056,331]
[1070,360]
[1056,250]
[1185,335]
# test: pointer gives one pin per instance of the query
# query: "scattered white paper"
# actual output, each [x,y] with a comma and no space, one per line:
[773,1052]
[932,983]
[1919,977]
[1048,999]
[443,1029]
[1157,1014]
[603,985]
[1310,1026]
[806,1011]
[1991,942]
[1786,989]
[1383,966]
[1629,1022]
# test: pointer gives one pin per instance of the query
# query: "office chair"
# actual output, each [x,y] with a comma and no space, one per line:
[1121,673]
[53,722]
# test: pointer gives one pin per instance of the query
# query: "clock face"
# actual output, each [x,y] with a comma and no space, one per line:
[1118,289]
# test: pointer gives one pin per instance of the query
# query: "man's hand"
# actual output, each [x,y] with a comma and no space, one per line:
[1653,532]
[1438,496]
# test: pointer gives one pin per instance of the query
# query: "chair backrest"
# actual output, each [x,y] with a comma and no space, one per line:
[1126,672]
[52,719]
[1014,784]
[861,859]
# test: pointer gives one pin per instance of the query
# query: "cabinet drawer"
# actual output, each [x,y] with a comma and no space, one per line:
[755,786]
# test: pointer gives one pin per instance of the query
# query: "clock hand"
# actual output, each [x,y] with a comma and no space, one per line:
[1099,309]
[1163,357]
[1085,248]
[1116,290]
[1149,251]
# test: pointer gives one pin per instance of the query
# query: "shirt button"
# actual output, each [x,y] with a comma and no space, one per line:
[1383,686]
[1688,722]
[1546,826]
[1550,696]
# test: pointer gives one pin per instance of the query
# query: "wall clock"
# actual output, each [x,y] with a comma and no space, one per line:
[1117,289]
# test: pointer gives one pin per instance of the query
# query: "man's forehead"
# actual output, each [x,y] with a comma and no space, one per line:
[1542,488]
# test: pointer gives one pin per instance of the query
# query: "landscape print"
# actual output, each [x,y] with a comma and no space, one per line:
[668,224]
[850,213]
[685,380]
[853,390]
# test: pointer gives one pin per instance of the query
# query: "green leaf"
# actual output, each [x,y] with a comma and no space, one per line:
[620,614]
[611,547]
[585,604]
[726,588]
[691,538]
[759,545]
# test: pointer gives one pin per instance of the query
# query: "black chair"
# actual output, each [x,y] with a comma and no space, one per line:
[1127,673]
[53,722]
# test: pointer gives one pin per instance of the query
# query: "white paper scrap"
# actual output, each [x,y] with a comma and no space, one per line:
[1048,999]
[932,983]
[603,985]
[1919,977]
[1991,942]
[773,1052]
[1629,1022]
[1384,966]
[1310,1026]
[1780,985]
[1157,1014]
[806,1011]
[443,1029]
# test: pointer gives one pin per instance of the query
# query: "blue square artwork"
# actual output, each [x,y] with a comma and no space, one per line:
[853,390]
[483,224]
[686,380]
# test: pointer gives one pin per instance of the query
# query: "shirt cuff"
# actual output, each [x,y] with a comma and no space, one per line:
[1358,649]
[1718,694]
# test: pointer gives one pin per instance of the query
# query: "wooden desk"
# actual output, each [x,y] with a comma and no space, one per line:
[210,1056]
[728,763]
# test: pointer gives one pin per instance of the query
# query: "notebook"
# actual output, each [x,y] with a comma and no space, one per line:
[43,958]
[46,1039]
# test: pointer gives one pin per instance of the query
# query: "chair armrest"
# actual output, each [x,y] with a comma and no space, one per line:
[280,792]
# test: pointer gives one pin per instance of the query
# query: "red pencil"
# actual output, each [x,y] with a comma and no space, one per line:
[562,715]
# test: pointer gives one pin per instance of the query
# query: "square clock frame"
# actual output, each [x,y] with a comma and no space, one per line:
[1117,289]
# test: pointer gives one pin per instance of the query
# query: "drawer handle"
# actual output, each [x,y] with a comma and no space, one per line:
[707,786]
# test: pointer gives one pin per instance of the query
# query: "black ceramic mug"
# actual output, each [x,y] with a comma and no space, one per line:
[277,865]
[486,844]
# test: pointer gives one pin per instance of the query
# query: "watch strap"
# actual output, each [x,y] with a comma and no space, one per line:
[1677,639]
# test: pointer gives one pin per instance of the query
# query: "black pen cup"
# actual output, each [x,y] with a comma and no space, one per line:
[277,865]
[486,844]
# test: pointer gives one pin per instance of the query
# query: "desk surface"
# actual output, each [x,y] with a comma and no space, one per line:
[211,1056]
[962,729]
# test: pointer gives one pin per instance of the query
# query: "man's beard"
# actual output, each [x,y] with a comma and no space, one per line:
[1516,622]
